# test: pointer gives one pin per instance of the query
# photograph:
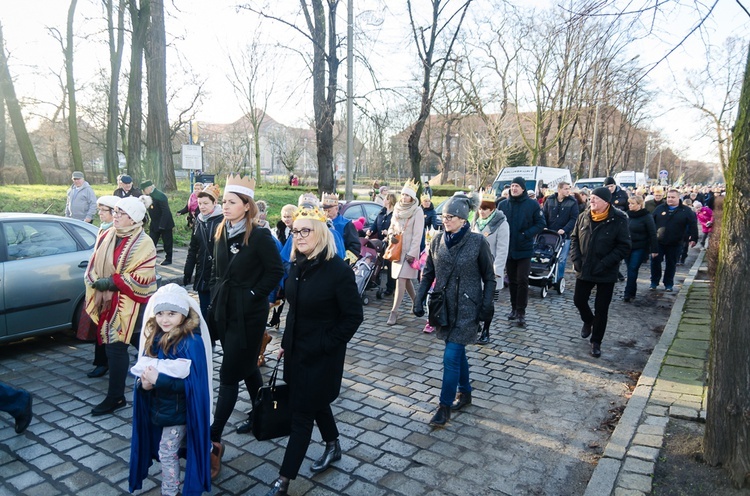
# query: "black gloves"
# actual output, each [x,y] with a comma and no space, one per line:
[486,313]
[104,284]
[186,279]
[418,309]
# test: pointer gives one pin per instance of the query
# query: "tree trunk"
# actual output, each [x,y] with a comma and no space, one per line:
[727,438]
[112,161]
[2,131]
[30,162]
[139,18]
[158,144]
[75,144]
[324,99]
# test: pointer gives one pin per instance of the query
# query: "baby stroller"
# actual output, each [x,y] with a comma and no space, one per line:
[367,268]
[547,248]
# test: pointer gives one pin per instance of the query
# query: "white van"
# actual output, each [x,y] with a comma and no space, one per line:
[590,183]
[631,179]
[534,175]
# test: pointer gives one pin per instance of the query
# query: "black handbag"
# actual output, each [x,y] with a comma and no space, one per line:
[438,316]
[272,414]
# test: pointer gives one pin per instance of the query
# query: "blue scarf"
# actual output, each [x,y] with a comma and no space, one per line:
[452,239]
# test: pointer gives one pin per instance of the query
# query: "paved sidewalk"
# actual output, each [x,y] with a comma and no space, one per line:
[672,385]
[538,425]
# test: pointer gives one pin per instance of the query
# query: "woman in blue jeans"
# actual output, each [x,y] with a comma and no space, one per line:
[460,263]
[643,239]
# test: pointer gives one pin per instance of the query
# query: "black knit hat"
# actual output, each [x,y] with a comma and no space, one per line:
[519,181]
[603,193]
[609,180]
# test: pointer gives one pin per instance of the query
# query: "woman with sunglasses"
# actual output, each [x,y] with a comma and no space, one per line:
[246,268]
[120,279]
[324,313]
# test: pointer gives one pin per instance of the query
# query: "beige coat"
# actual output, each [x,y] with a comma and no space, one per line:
[412,230]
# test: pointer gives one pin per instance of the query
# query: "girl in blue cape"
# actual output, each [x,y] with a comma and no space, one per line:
[172,395]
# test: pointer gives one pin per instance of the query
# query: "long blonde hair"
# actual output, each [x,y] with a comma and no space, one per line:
[171,339]
[250,218]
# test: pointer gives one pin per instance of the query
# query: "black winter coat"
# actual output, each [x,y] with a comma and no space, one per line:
[381,224]
[561,215]
[430,217]
[159,212]
[200,256]
[525,220]
[671,225]
[596,249]
[620,199]
[642,231]
[240,285]
[324,313]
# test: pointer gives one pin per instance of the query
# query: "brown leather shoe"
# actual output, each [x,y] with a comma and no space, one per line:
[265,340]
[216,453]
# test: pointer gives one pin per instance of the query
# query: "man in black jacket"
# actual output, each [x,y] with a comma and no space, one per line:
[672,220]
[600,240]
[525,220]
[162,222]
[561,212]
[619,195]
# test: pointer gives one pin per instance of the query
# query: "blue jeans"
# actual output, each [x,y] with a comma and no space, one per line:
[670,254]
[455,372]
[633,262]
[563,260]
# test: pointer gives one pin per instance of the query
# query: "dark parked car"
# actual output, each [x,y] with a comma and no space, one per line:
[355,209]
[42,261]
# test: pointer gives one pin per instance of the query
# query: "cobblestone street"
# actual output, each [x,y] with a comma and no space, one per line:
[542,411]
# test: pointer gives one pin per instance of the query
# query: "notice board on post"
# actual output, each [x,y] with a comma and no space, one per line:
[192,157]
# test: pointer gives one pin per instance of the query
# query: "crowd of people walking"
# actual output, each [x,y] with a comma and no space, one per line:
[244,271]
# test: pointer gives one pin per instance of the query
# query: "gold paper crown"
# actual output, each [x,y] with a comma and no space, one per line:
[213,190]
[308,199]
[329,199]
[238,184]
[411,185]
[312,213]
[488,196]
[424,197]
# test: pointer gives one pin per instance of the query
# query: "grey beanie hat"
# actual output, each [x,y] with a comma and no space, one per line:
[460,204]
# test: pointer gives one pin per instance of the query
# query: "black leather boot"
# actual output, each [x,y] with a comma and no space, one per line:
[521,318]
[331,454]
[246,427]
[484,337]
[513,315]
[279,488]
[441,417]
[462,399]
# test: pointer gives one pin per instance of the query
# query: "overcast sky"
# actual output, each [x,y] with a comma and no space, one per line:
[207,31]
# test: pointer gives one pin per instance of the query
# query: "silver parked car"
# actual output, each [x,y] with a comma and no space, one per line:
[42,262]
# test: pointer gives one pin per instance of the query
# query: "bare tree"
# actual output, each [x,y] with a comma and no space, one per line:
[116,44]
[253,85]
[30,162]
[727,438]
[287,148]
[714,92]
[139,18]
[434,39]
[75,145]
[158,142]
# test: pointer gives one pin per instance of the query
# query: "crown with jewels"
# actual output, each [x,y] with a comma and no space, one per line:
[410,188]
[424,197]
[329,199]
[242,185]
[312,213]
[308,200]
[488,196]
